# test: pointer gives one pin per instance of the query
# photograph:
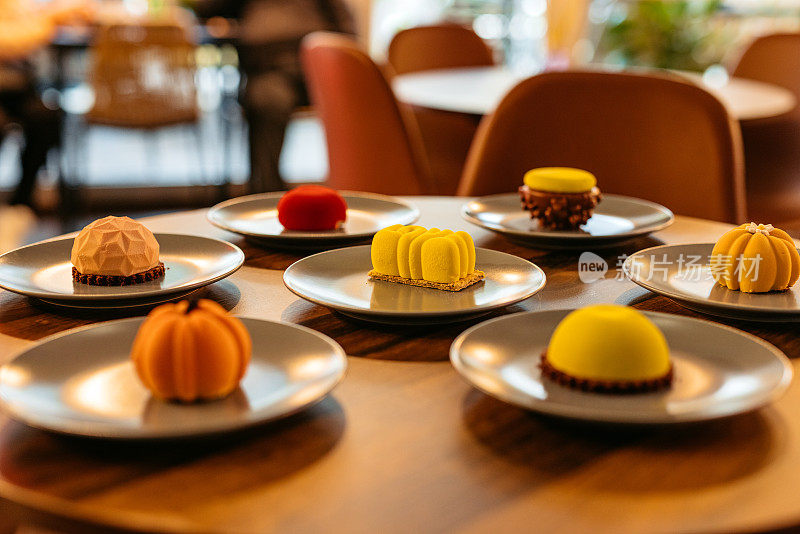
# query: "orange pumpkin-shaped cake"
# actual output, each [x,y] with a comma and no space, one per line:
[191,351]
[755,258]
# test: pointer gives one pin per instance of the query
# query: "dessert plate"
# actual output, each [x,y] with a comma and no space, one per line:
[43,270]
[718,371]
[338,280]
[616,218]
[129,304]
[256,217]
[683,273]
[83,383]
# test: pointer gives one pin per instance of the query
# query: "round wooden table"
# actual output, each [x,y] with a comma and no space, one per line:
[478,90]
[405,445]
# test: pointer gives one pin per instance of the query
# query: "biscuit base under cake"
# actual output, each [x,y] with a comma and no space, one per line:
[604,386]
[458,285]
[109,280]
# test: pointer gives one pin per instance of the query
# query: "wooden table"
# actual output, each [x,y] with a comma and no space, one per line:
[403,444]
[478,90]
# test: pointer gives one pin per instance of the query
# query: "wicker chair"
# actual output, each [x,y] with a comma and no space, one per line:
[143,78]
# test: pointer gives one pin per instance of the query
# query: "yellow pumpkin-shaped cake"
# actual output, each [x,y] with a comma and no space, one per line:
[413,255]
[755,258]
[191,351]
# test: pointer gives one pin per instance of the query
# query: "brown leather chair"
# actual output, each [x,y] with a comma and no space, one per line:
[772,146]
[647,136]
[446,136]
[438,47]
[373,144]
[773,59]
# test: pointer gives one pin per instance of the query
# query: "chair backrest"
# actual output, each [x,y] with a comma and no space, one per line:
[143,76]
[773,59]
[372,144]
[438,47]
[647,136]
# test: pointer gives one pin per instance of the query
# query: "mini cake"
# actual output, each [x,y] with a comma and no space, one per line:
[755,258]
[559,197]
[608,349]
[312,207]
[439,259]
[191,351]
[115,251]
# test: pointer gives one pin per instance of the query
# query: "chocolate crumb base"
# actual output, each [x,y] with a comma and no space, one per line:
[107,280]
[559,211]
[604,386]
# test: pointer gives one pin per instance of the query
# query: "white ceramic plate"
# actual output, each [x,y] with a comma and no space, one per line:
[616,218]
[718,371]
[43,270]
[338,279]
[256,217]
[667,270]
[83,383]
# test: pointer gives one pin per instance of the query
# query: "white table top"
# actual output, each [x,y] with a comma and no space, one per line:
[478,91]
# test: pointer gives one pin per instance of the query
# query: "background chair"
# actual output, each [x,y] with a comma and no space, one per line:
[373,143]
[143,78]
[772,146]
[438,47]
[651,137]
[446,136]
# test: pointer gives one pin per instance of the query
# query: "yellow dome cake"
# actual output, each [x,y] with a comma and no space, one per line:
[439,259]
[609,349]
[755,258]
[561,198]
[115,251]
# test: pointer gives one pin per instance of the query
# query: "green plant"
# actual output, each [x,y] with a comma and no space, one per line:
[674,34]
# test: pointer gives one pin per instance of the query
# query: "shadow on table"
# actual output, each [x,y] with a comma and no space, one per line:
[781,334]
[266,255]
[31,319]
[258,255]
[552,257]
[211,467]
[634,296]
[430,343]
[561,266]
[625,458]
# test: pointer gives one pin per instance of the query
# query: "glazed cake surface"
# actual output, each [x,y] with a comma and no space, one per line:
[560,180]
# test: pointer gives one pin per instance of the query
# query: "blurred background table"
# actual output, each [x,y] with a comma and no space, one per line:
[406,444]
[478,90]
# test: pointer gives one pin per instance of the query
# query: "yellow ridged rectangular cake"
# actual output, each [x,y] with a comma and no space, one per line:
[413,255]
